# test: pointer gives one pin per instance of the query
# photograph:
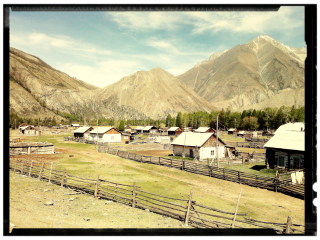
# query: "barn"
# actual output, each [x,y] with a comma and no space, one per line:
[198,145]
[204,130]
[82,132]
[232,131]
[106,134]
[28,130]
[174,131]
[285,150]
[149,130]
[138,129]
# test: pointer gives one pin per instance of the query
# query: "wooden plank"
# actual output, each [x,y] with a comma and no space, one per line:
[188,210]
[235,213]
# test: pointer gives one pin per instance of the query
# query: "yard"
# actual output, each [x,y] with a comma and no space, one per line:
[87,162]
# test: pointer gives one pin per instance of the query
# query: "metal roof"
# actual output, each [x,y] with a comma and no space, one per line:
[291,127]
[75,125]
[81,130]
[241,132]
[192,139]
[139,128]
[101,130]
[232,129]
[202,129]
[291,140]
[147,128]
[23,128]
[173,128]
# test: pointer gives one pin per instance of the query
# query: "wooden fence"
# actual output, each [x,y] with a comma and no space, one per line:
[263,140]
[246,144]
[253,180]
[187,210]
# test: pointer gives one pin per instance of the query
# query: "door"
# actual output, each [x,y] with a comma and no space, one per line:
[191,153]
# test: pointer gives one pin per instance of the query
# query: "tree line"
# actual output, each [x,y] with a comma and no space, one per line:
[252,119]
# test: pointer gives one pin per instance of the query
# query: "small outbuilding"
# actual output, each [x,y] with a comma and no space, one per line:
[175,131]
[285,150]
[82,132]
[75,125]
[232,131]
[198,145]
[128,129]
[149,130]
[139,129]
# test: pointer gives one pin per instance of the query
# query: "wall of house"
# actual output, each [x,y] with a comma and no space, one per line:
[273,154]
[201,153]
[48,149]
[106,137]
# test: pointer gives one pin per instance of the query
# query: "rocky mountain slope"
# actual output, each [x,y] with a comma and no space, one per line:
[250,74]
[154,94]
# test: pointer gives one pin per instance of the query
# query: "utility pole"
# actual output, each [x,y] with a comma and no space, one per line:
[217,142]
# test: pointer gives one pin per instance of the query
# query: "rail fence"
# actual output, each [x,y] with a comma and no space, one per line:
[258,145]
[273,184]
[189,211]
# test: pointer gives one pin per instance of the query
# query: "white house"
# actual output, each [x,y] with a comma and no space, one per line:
[106,134]
[198,145]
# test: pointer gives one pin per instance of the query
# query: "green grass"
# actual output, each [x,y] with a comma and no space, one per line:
[254,168]
[231,138]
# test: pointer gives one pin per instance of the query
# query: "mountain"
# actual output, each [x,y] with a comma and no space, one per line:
[155,93]
[33,82]
[37,89]
[250,74]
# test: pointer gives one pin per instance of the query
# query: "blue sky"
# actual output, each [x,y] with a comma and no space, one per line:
[103,47]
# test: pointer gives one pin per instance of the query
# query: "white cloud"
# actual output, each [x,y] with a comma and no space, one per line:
[200,22]
[103,73]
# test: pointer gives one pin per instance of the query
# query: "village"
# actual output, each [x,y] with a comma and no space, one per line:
[270,160]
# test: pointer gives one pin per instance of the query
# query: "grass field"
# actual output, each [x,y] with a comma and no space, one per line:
[258,203]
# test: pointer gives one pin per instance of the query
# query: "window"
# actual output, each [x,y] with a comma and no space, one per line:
[126,137]
[296,162]
[100,136]
[281,161]
[112,137]
[212,152]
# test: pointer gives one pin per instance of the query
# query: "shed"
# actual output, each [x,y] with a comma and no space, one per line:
[233,131]
[149,129]
[106,134]
[285,150]
[128,129]
[138,129]
[204,130]
[82,132]
[198,145]
[28,130]
[75,125]
[174,131]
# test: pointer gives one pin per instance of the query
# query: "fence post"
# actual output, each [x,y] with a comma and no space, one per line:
[276,185]
[134,195]
[171,163]
[30,168]
[63,176]
[41,170]
[21,170]
[239,177]
[50,172]
[117,153]
[235,213]
[188,210]
[210,172]
[224,176]
[288,227]
[141,158]
[242,159]
[159,161]
[128,155]
[96,190]
[183,165]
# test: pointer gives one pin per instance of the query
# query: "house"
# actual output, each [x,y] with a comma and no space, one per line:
[28,130]
[128,129]
[149,129]
[75,125]
[174,131]
[244,134]
[285,150]
[22,125]
[233,131]
[163,131]
[139,129]
[198,145]
[82,132]
[126,137]
[204,130]
[106,134]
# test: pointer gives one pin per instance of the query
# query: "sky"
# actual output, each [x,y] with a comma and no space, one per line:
[101,47]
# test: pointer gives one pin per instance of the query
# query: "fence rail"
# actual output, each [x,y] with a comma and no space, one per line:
[273,184]
[186,210]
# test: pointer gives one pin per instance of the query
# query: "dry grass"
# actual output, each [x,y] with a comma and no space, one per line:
[258,203]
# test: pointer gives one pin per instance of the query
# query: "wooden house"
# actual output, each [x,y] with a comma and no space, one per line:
[174,131]
[232,131]
[22,125]
[128,129]
[105,134]
[28,130]
[285,150]
[82,132]
[75,125]
[149,130]
[204,130]
[198,145]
